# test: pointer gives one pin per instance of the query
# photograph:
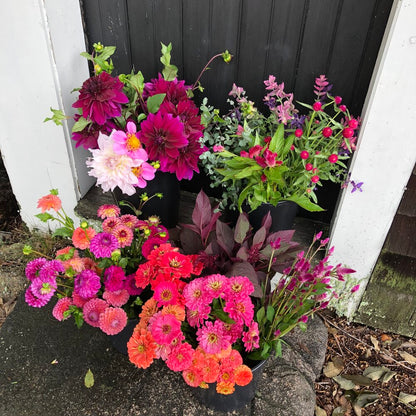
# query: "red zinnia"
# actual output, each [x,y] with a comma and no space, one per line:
[100,98]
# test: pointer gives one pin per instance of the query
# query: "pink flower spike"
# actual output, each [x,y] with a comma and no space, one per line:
[324,242]
[317,236]
[355,288]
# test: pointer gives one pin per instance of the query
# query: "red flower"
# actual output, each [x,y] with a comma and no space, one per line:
[333,158]
[304,154]
[100,98]
[327,132]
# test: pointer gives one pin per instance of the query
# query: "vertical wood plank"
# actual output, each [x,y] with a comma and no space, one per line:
[107,23]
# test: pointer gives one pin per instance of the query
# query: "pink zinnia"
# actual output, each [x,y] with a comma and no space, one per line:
[166,293]
[60,308]
[239,286]
[163,135]
[251,337]
[194,294]
[100,98]
[114,278]
[197,316]
[87,284]
[112,320]
[180,357]
[92,311]
[43,287]
[108,211]
[103,244]
[164,328]
[118,298]
[215,285]
[34,301]
[240,310]
[212,338]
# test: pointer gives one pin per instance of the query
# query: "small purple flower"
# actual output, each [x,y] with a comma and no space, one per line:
[356,186]
[103,244]
[87,284]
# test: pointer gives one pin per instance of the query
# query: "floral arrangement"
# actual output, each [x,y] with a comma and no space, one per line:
[126,123]
[193,325]
[283,156]
[93,276]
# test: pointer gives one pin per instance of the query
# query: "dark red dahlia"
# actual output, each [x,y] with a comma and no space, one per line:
[100,98]
[175,90]
[88,137]
[162,135]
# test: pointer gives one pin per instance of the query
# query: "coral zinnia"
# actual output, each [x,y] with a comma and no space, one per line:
[141,348]
[49,202]
[180,357]
[163,135]
[112,320]
[242,375]
[100,98]
[60,308]
[81,237]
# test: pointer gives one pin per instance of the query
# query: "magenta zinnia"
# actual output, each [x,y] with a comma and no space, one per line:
[212,338]
[87,284]
[100,98]
[103,244]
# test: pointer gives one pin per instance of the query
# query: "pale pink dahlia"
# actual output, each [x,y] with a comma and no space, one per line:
[118,298]
[60,308]
[112,169]
[100,98]
[103,244]
[92,311]
[212,338]
[87,283]
[112,320]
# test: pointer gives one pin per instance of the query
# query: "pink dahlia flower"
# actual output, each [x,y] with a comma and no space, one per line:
[87,284]
[118,298]
[163,135]
[103,244]
[112,169]
[114,278]
[33,268]
[44,287]
[60,308]
[34,301]
[128,143]
[108,211]
[124,235]
[92,311]
[112,320]
[100,98]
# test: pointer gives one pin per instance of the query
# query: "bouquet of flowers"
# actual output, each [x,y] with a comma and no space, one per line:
[283,156]
[93,276]
[126,123]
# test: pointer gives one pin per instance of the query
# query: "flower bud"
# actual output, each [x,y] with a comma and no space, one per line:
[226,56]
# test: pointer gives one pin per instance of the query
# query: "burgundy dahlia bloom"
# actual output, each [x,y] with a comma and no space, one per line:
[88,138]
[175,90]
[163,135]
[100,98]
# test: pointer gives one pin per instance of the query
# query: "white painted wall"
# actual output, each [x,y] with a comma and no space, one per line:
[41,65]
[386,152]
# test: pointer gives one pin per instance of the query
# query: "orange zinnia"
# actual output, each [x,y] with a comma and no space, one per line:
[225,388]
[49,202]
[141,348]
[81,237]
[242,375]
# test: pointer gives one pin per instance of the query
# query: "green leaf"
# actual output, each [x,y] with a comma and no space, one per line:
[141,117]
[241,229]
[219,313]
[63,232]
[137,81]
[270,313]
[305,203]
[89,379]
[260,314]
[44,216]
[169,71]
[80,124]
[154,102]
[106,52]
[86,55]
[364,399]
[277,141]
[406,398]
[57,117]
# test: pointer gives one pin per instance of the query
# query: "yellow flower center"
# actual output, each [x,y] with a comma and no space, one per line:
[212,338]
[132,143]
[137,171]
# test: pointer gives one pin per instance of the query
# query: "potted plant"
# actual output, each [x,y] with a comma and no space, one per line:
[93,275]
[283,156]
[138,131]
[218,330]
